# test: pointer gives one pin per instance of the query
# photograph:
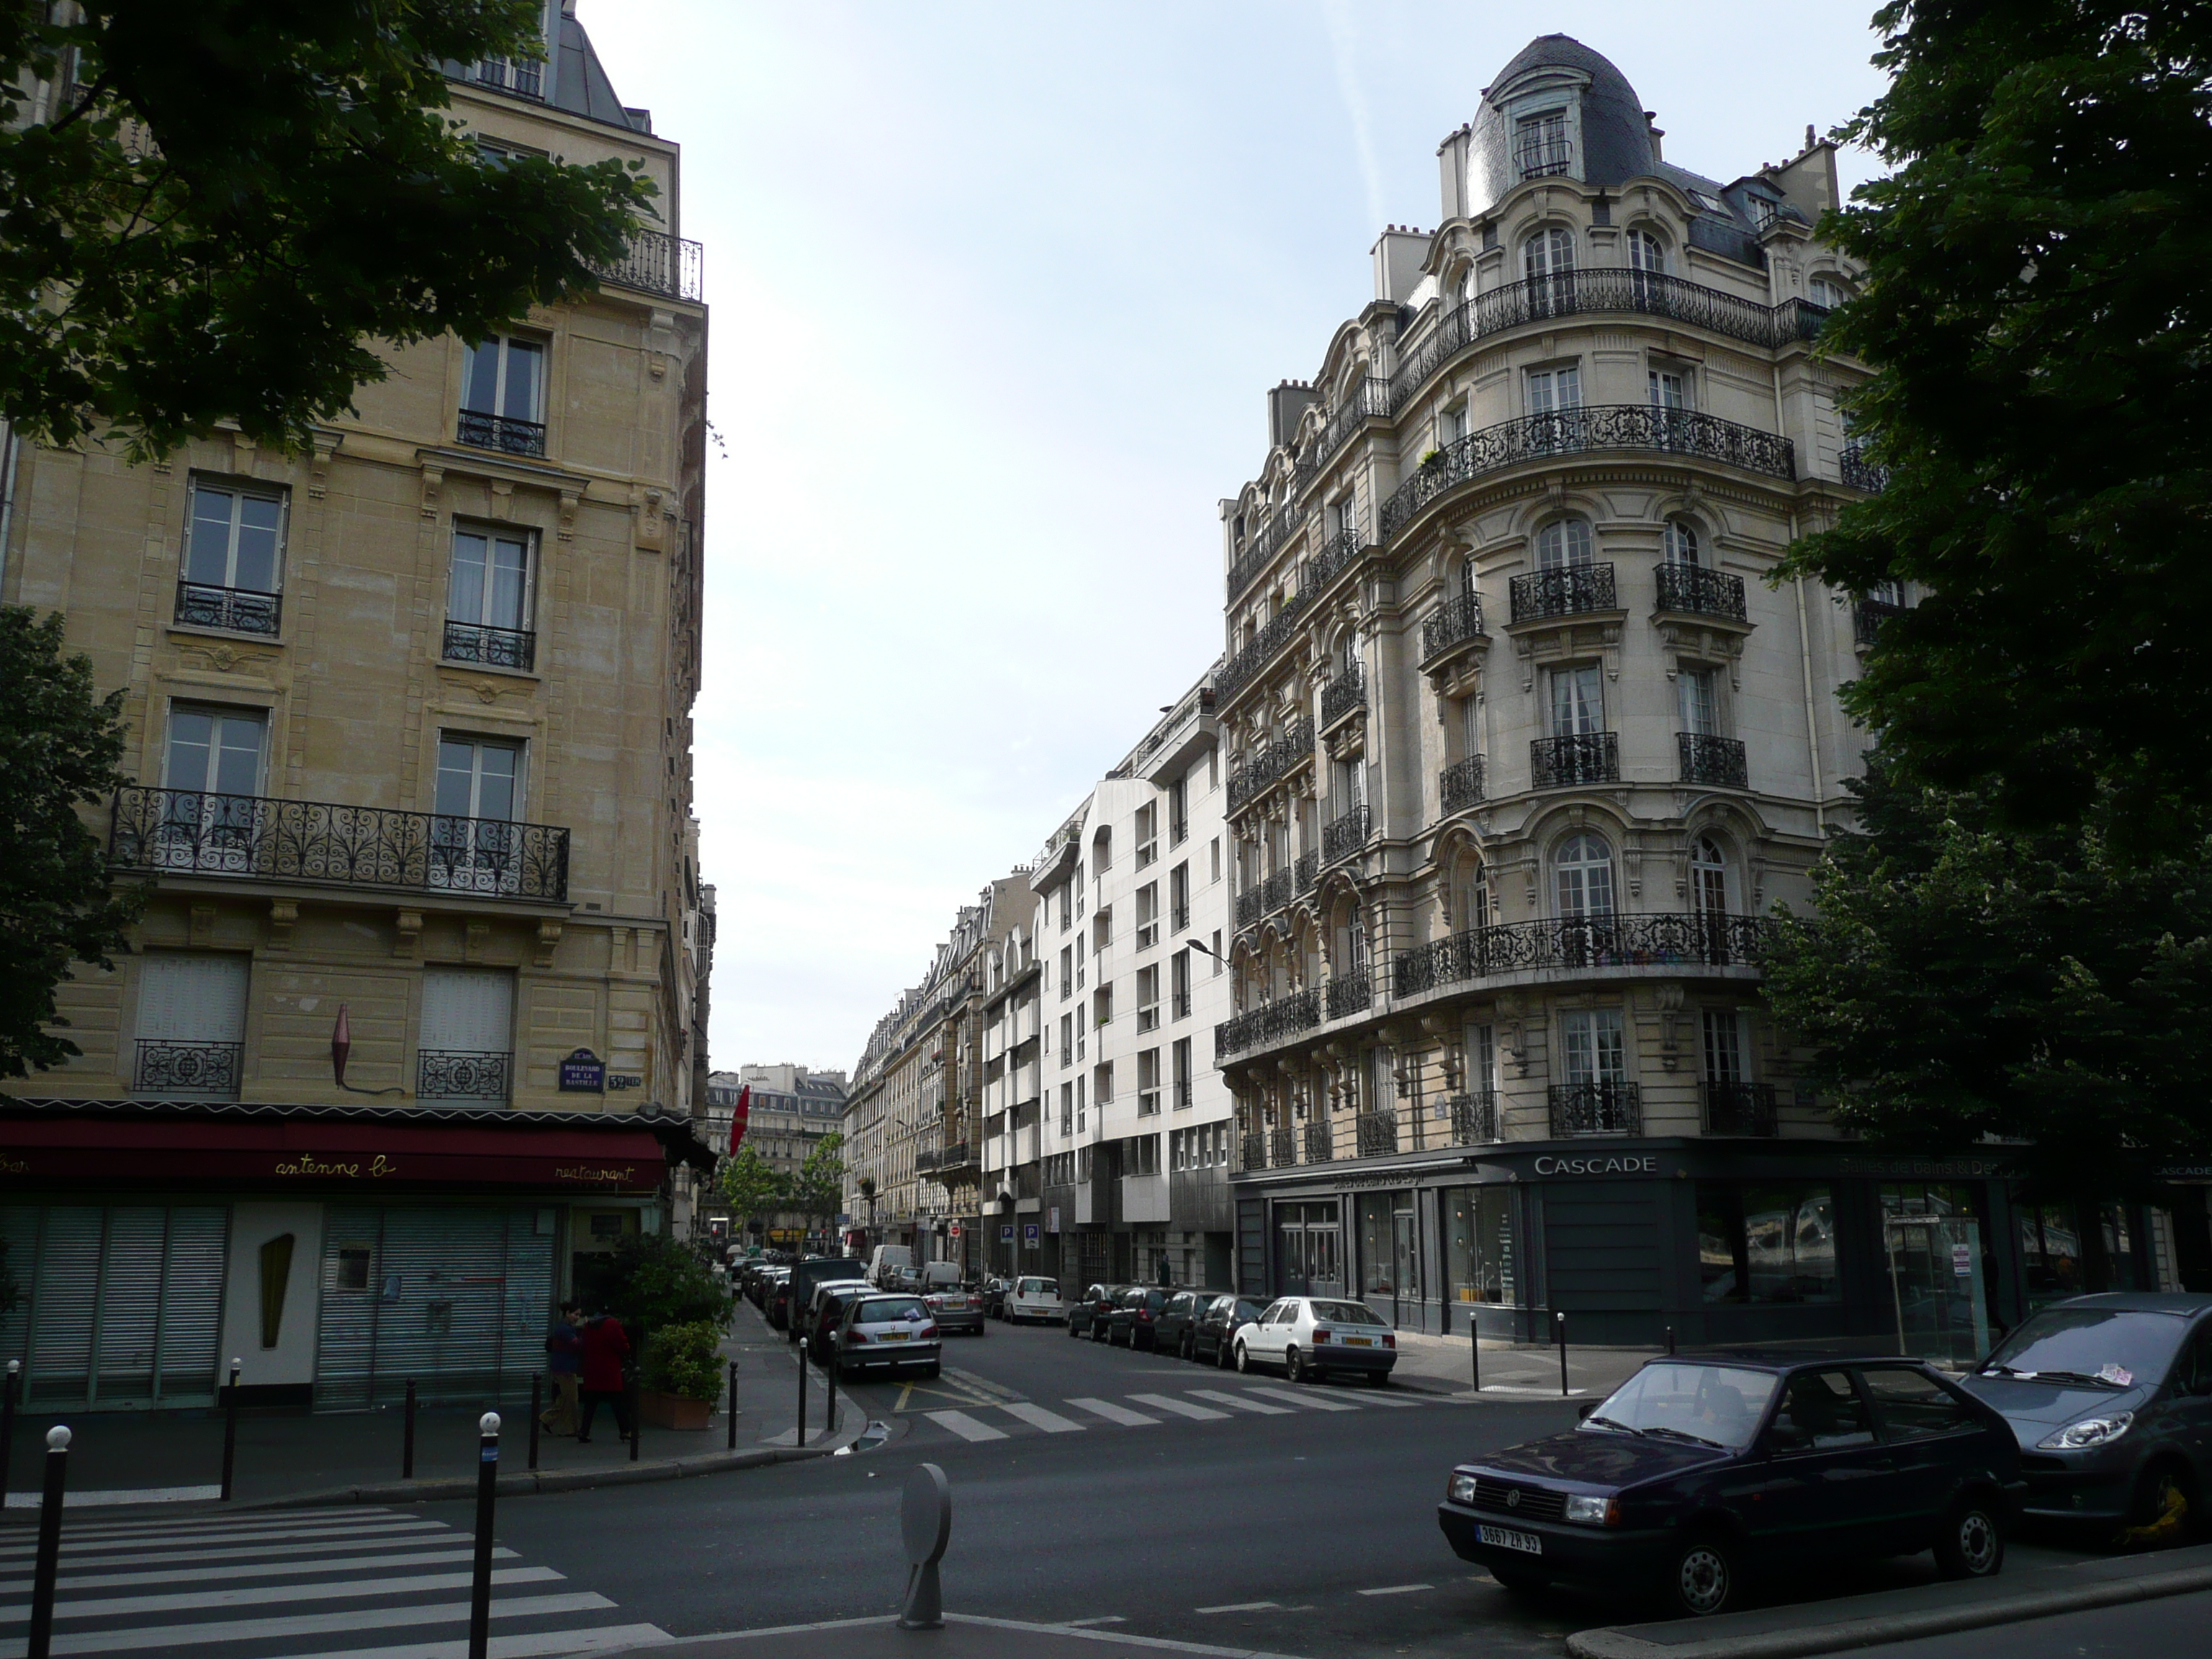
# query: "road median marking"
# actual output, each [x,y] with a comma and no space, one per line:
[1239,1606]
[966,1427]
[1396,1590]
[1114,1413]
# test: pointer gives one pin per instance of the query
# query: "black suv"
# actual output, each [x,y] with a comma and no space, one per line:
[1214,1333]
[1132,1321]
[1176,1330]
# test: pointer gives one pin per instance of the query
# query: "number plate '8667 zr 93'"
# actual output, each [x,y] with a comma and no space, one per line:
[1506,1539]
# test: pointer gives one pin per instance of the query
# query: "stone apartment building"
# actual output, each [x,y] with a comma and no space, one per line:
[408,721]
[1525,744]
[789,1111]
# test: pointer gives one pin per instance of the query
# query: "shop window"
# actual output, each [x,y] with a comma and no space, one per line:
[1766,1243]
[2069,1249]
[1481,1261]
[1308,1249]
[1390,1262]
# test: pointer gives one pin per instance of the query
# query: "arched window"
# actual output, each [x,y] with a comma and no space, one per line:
[1681,542]
[1709,877]
[1563,543]
[1548,258]
[1466,290]
[1825,291]
[1466,578]
[1583,869]
[1646,253]
[1471,893]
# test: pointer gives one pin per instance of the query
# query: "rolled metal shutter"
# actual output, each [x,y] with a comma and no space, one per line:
[63,1298]
[128,1306]
[345,1345]
[191,1303]
[19,1230]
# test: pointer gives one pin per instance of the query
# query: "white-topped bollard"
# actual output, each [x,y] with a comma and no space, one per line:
[487,1494]
[925,1521]
[48,1564]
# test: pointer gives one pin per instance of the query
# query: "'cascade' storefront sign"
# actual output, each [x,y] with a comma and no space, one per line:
[1548,1165]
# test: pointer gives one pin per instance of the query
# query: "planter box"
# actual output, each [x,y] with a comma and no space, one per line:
[668,1411]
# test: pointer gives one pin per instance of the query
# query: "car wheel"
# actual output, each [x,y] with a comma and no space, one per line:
[2164,1509]
[1378,1379]
[1701,1578]
[1520,1580]
[1294,1367]
[1072,1331]
[933,1371]
[1243,1359]
[1188,1352]
[1222,1358]
[1969,1543]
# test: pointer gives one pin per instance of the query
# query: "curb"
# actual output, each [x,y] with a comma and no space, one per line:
[1849,1634]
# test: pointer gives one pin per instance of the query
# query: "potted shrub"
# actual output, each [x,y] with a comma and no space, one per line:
[680,1375]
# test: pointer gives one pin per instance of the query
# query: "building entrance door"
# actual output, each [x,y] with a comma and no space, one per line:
[1935,1286]
[1406,1252]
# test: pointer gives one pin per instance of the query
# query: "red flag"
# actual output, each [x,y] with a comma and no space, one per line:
[738,1113]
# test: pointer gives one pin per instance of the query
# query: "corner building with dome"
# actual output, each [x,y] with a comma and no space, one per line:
[1524,749]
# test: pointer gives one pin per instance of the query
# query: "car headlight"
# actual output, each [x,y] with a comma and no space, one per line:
[2089,1431]
[1593,1511]
[1461,1489]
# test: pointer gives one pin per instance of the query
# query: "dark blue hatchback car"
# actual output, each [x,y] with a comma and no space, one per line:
[1698,1472]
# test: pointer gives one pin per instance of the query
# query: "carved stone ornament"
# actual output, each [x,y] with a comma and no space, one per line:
[486,691]
[433,480]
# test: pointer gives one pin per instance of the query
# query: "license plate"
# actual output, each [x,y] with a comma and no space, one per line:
[1506,1539]
[1359,1341]
[895,1336]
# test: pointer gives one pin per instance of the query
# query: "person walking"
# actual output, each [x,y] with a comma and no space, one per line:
[564,1359]
[606,1346]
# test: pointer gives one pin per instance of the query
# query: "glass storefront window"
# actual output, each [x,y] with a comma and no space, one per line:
[1479,1245]
[1307,1252]
[2058,1260]
[1767,1242]
[1377,1273]
[1953,1200]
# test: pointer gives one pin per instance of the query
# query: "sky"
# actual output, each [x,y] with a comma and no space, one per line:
[995,295]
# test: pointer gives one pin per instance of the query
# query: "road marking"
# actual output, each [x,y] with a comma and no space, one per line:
[1168,1402]
[268,1553]
[353,1535]
[966,1427]
[345,1590]
[965,1396]
[1239,1606]
[254,1569]
[1038,1417]
[170,1634]
[620,1636]
[982,1385]
[81,1500]
[1085,1624]
[905,1390]
[1383,1397]
[1312,1402]
[1112,1412]
[1241,1404]
[1396,1590]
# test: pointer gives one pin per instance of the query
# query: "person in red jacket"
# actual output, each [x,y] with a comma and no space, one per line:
[606,1346]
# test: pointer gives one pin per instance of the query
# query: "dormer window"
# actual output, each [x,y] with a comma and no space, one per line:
[1539,144]
[1825,291]
[1763,213]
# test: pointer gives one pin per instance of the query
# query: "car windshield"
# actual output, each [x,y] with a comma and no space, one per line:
[889,1311]
[1348,1313]
[1717,1405]
[2116,1347]
[1039,1287]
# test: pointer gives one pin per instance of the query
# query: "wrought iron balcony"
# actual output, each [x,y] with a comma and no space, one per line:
[169,1067]
[1592,428]
[1253,1153]
[1264,546]
[1580,757]
[1368,398]
[1540,158]
[1567,592]
[240,610]
[1712,760]
[1860,473]
[1697,938]
[1282,1148]
[1276,891]
[1286,1017]
[1277,632]
[1344,694]
[1347,832]
[1474,1120]
[461,1074]
[1251,908]
[1307,872]
[1320,1145]
[1461,784]
[183,831]
[499,647]
[657,263]
[1597,1108]
[1869,615]
[953,1155]
[502,432]
[1350,993]
[1376,1134]
[1698,592]
[1453,622]
[1333,555]
[1739,1107]
[1272,763]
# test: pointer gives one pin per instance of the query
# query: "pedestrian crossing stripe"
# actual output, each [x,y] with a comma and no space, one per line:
[976,1428]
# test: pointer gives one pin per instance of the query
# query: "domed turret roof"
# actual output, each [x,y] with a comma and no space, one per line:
[1614,143]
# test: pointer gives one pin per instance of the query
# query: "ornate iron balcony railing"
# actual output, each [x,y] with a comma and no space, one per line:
[1333,555]
[165,1067]
[1594,428]
[1474,1120]
[1277,632]
[502,432]
[1264,545]
[1597,1108]
[1376,1134]
[240,610]
[1457,619]
[1860,473]
[1308,872]
[1699,939]
[1541,157]
[1249,906]
[1700,592]
[1869,615]
[1580,757]
[1461,784]
[1286,1017]
[1569,590]
[1282,1147]
[499,647]
[1347,832]
[1344,694]
[1252,1153]
[1368,398]
[459,1074]
[186,832]
[1350,993]
[1712,760]
[1270,764]
[1320,1145]
[1277,892]
[1739,1107]
[657,263]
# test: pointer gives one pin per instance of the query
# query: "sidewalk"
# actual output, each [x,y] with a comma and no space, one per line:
[1511,1371]
[117,1457]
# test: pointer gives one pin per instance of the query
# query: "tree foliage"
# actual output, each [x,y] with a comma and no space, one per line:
[60,745]
[751,1186]
[2038,312]
[816,1191]
[228,203]
[652,1281]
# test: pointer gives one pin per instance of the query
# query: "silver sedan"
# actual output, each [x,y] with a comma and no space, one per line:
[1311,1337]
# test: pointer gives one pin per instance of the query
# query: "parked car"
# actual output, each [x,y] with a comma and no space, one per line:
[995,1296]
[884,1262]
[1130,1320]
[776,1302]
[1311,1337]
[827,1313]
[1697,1473]
[2110,1397]
[956,1307]
[888,1332]
[1171,1331]
[1087,1317]
[1214,1333]
[1030,1297]
[819,1270]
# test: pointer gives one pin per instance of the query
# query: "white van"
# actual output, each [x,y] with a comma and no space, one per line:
[884,1265]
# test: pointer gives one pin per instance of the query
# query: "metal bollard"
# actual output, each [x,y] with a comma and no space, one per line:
[230,1430]
[48,1566]
[732,1411]
[407,1437]
[634,1426]
[1670,1342]
[802,1396]
[1559,1322]
[8,1425]
[1474,1347]
[829,1382]
[537,1405]
[926,1527]
[487,1494]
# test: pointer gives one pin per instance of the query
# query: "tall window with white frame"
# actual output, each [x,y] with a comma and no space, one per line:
[1180,1061]
[1148,1082]
[233,566]
[1647,260]
[1540,144]
[489,592]
[502,396]
[475,846]
[209,813]
[1579,750]
[1582,875]
[1594,1096]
